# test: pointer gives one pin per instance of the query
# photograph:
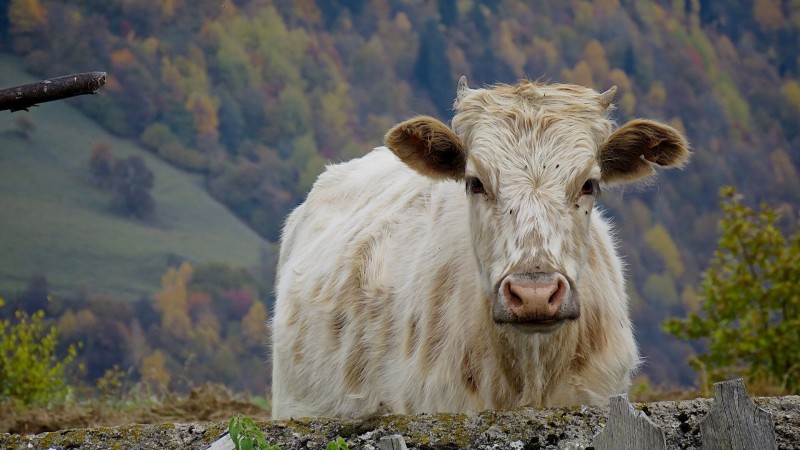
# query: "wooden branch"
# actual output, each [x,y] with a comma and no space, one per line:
[735,422]
[23,97]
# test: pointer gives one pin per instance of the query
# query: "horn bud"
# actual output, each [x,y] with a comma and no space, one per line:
[607,97]
[463,88]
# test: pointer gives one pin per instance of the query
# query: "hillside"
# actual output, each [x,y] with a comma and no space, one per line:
[255,96]
[56,222]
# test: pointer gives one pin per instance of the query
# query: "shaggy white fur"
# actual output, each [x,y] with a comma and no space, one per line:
[389,271]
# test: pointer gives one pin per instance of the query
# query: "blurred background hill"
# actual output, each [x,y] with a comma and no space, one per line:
[58,222]
[148,213]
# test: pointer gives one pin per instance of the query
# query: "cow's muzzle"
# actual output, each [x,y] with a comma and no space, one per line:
[536,302]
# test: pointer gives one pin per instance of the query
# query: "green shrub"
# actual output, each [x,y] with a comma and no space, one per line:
[749,315]
[30,370]
[181,156]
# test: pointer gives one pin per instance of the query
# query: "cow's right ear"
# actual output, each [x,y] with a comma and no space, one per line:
[429,147]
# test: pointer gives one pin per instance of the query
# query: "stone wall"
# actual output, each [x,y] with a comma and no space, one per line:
[524,428]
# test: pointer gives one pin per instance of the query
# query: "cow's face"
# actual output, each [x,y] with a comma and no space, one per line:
[532,158]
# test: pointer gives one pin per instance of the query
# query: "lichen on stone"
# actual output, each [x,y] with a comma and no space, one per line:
[530,428]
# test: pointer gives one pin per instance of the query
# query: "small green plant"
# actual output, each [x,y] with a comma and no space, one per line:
[30,371]
[246,435]
[337,444]
[109,386]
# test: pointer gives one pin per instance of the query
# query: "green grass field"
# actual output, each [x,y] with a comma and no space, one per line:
[54,221]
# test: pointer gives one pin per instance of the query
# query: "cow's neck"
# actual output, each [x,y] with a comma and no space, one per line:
[519,361]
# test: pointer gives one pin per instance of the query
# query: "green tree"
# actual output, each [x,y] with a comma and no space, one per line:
[133,181]
[36,295]
[658,238]
[101,164]
[749,314]
[448,10]
[294,112]
[25,15]
[25,127]
[432,69]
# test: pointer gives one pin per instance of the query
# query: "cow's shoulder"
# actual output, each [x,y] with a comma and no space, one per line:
[353,204]
[340,182]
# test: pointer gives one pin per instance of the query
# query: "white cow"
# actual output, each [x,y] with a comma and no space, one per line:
[466,268]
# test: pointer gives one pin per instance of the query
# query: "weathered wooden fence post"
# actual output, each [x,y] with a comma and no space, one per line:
[628,428]
[223,443]
[393,442]
[735,422]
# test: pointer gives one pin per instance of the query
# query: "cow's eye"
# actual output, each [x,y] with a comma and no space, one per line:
[591,187]
[475,186]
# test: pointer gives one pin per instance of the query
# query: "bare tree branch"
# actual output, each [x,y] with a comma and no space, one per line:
[23,97]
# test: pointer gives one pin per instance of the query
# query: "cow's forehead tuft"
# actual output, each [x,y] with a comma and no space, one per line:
[532,124]
[566,98]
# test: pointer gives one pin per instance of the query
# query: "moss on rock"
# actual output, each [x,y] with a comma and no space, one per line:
[519,428]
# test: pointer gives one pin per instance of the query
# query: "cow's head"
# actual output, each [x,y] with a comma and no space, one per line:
[532,158]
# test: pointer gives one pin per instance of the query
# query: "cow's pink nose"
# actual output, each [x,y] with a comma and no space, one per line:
[535,299]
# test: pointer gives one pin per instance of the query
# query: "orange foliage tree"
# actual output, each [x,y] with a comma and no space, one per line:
[172,301]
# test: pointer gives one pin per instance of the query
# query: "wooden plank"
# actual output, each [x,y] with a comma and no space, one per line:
[223,443]
[629,429]
[393,442]
[735,422]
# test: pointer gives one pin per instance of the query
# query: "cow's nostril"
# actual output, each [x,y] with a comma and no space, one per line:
[532,298]
[514,300]
[537,297]
[555,299]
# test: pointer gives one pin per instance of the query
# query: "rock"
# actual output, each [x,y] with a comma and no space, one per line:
[524,428]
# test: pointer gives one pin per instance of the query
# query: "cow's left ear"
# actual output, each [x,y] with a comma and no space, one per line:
[429,147]
[631,152]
